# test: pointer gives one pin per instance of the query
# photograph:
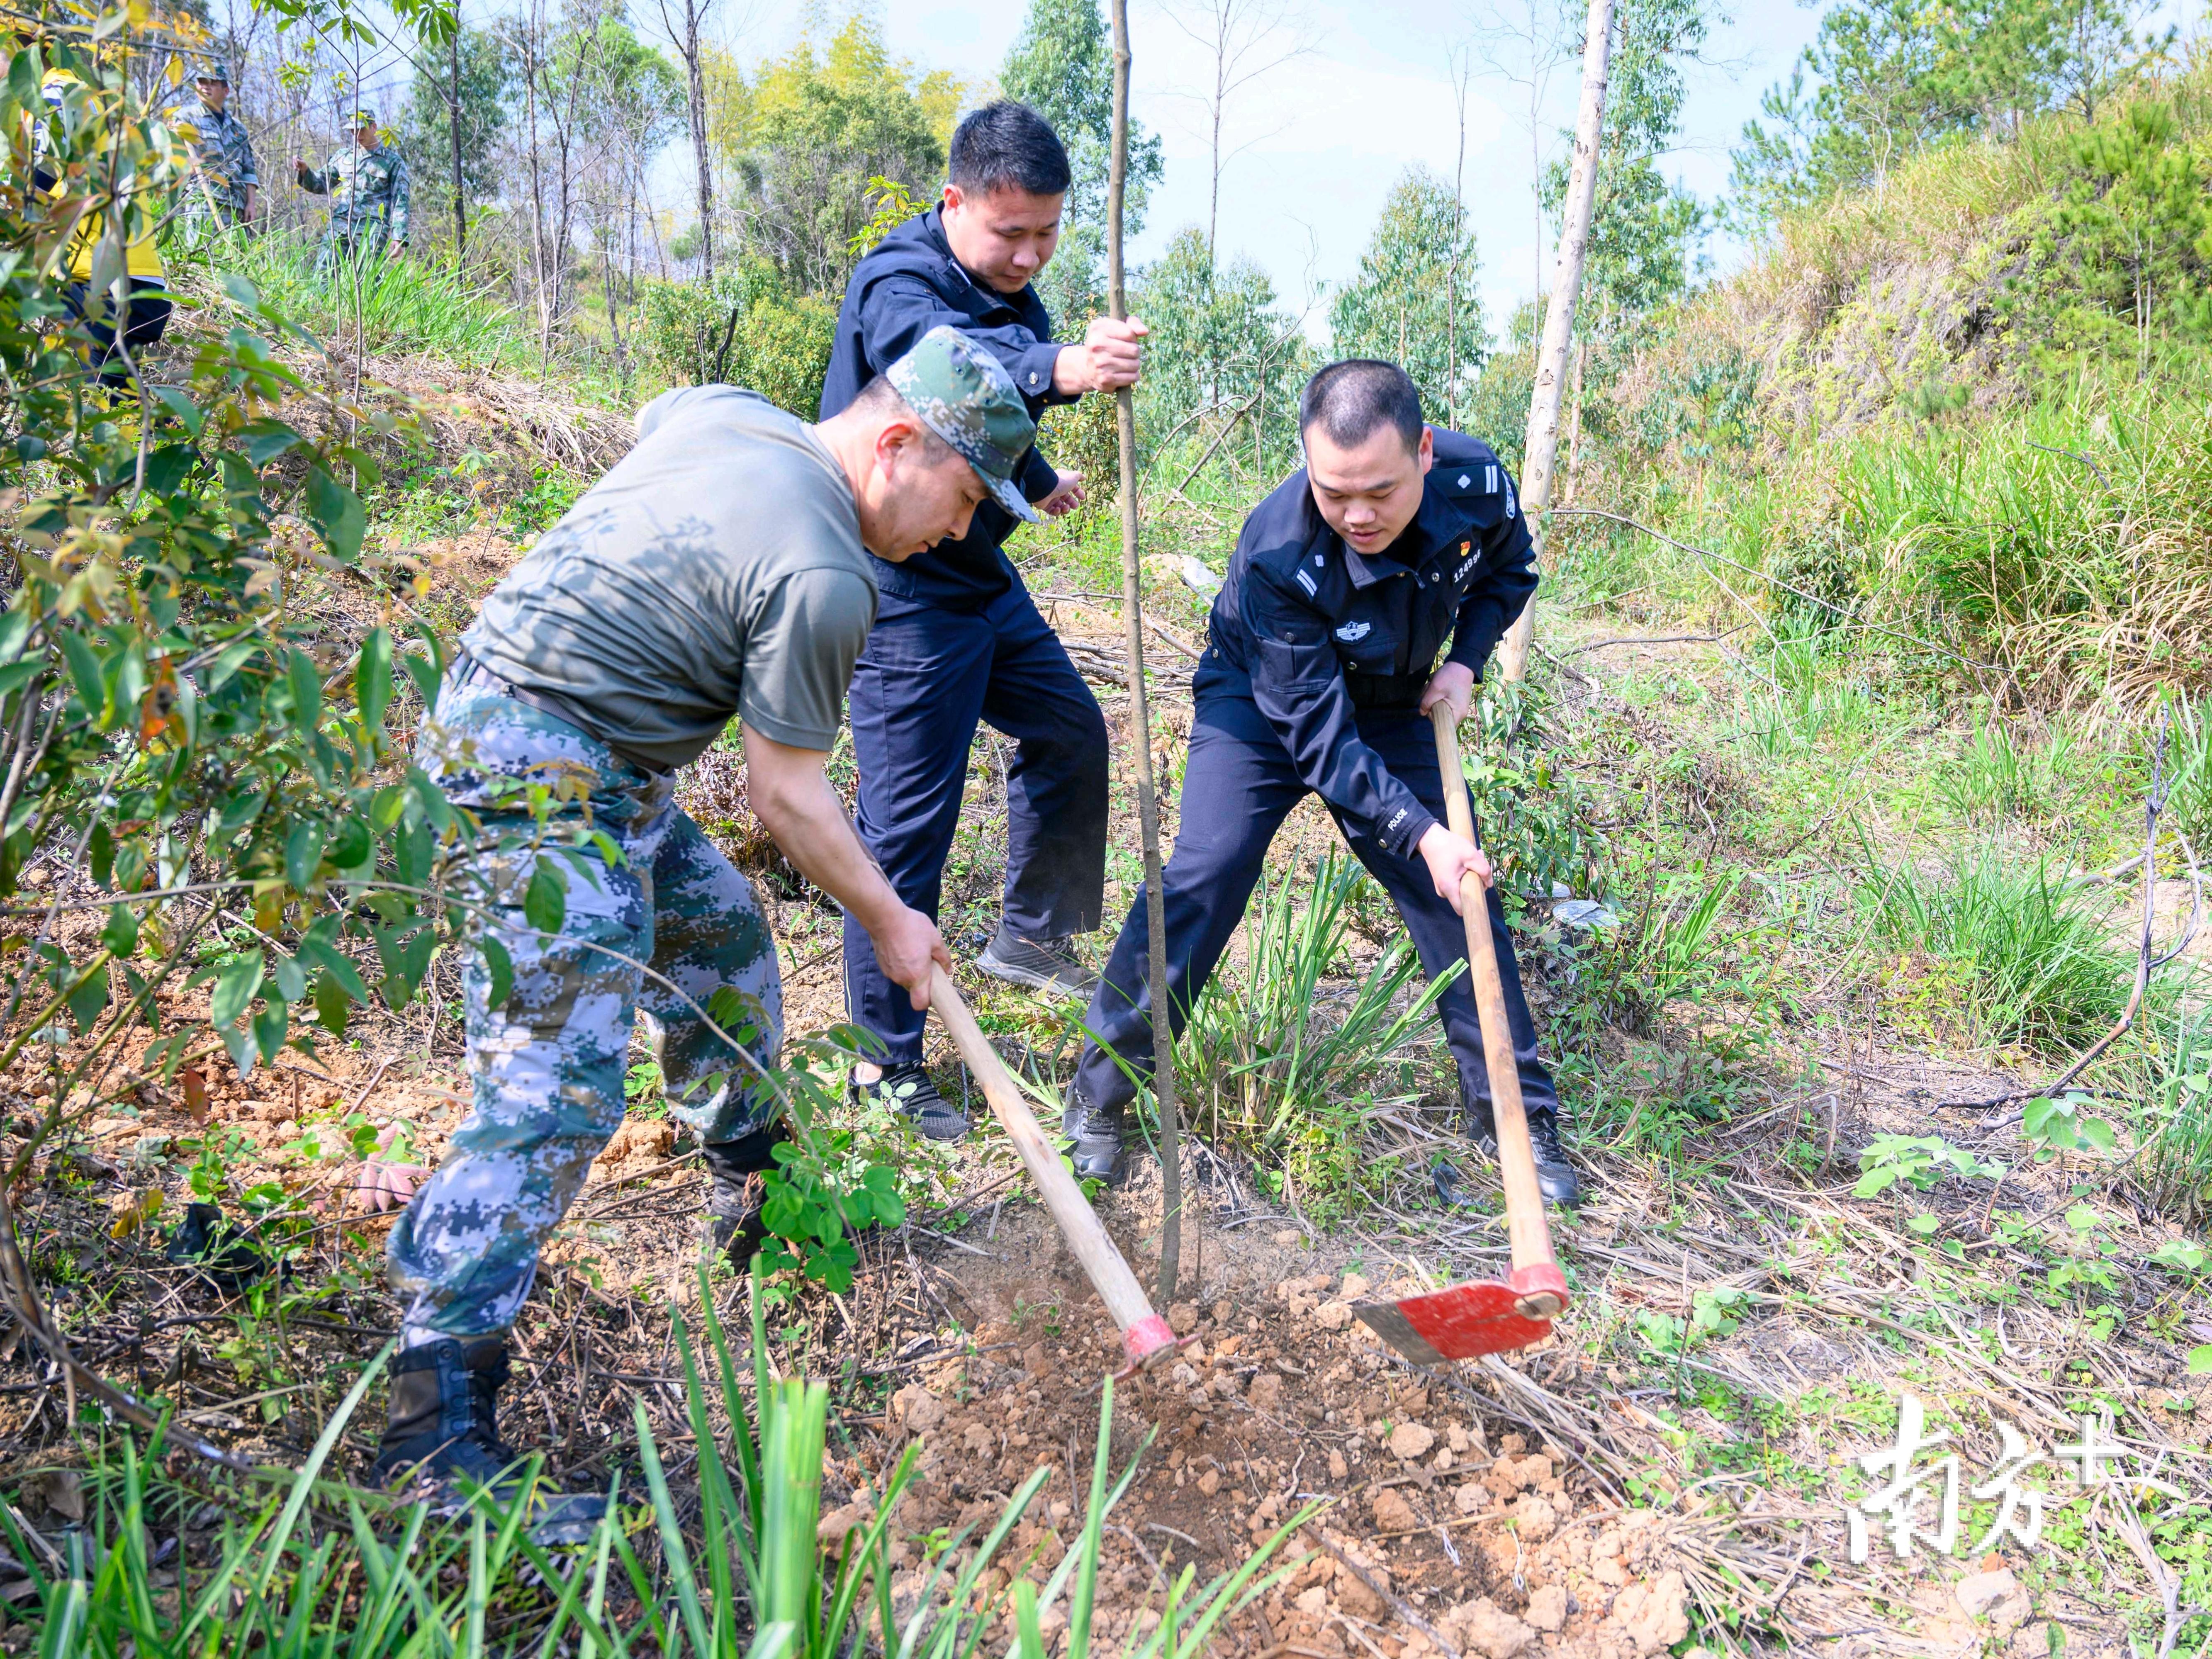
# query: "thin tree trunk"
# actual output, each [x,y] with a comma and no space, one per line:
[460,204]
[1575,424]
[697,88]
[1543,441]
[1451,271]
[1140,723]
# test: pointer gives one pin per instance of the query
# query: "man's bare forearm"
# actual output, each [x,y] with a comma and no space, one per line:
[802,812]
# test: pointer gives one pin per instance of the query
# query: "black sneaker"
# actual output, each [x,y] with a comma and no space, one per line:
[905,1088]
[1097,1132]
[443,1433]
[1048,964]
[1555,1177]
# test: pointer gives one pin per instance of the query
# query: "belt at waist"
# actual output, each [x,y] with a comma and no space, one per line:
[1384,690]
[561,708]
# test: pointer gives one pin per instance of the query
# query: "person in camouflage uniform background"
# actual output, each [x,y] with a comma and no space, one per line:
[367,182]
[220,192]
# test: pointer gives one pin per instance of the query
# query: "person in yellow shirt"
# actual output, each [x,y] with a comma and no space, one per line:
[146,313]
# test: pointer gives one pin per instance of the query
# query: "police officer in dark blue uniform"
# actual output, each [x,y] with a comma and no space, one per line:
[1320,666]
[957,638]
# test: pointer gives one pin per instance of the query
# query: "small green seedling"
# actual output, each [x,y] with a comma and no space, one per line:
[2057,1125]
[1717,1314]
[1920,1160]
[2180,1256]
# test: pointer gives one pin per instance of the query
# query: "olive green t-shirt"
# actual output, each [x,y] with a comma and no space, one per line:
[716,570]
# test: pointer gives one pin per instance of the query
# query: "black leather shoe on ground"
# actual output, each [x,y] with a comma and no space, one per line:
[905,1088]
[1046,965]
[443,1429]
[1555,1177]
[737,1193]
[1097,1132]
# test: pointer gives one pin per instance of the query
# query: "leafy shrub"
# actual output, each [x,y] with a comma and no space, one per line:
[777,345]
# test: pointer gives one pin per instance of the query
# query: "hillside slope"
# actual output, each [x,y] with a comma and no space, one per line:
[1970,401]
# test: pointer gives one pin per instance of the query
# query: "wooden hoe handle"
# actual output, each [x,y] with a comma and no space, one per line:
[1537,1273]
[1144,1334]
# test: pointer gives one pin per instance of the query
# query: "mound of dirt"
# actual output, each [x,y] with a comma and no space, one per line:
[1440,1528]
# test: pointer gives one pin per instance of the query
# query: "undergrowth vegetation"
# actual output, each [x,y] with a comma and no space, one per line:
[386,307]
[303,1570]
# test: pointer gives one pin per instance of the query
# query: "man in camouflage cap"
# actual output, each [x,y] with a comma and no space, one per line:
[224,179]
[720,568]
[367,182]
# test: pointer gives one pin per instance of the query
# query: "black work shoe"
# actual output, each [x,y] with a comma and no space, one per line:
[1555,1177]
[905,1088]
[1042,964]
[1097,1132]
[739,1195]
[443,1429]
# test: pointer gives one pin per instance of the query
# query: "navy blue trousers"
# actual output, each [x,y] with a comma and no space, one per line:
[927,675]
[1238,787]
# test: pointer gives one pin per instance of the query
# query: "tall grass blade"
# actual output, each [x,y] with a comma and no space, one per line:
[675,1550]
[793,1415]
[719,1509]
[1083,1600]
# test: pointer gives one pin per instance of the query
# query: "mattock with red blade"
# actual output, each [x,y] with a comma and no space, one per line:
[1487,1316]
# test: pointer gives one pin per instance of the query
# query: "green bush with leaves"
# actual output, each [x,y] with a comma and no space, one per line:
[201,676]
[744,331]
[190,712]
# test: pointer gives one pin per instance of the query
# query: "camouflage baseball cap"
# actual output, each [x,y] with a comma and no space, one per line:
[213,69]
[964,395]
[360,116]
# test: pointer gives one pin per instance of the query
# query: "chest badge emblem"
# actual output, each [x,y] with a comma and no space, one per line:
[1352,632]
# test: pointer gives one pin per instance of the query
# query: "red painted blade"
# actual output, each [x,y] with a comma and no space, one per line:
[1458,1323]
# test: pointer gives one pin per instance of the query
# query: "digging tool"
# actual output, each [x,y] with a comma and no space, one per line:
[1145,1335]
[1485,1316]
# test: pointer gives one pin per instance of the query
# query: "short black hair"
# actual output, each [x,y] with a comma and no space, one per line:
[1352,397]
[1006,145]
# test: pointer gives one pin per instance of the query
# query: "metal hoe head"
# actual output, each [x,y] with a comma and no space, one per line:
[1466,1321]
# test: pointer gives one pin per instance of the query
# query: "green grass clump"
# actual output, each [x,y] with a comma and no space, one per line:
[2033,954]
[397,304]
[1289,1066]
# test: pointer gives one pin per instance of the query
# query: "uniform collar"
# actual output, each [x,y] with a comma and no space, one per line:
[1364,571]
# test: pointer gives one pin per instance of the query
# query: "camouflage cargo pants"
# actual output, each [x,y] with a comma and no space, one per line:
[546,1070]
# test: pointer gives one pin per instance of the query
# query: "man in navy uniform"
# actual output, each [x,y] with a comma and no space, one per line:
[1320,668]
[957,638]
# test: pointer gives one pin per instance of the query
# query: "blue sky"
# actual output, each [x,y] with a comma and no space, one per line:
[1328,132]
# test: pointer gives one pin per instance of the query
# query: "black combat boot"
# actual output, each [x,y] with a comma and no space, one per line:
[445,1411]
[444,1427]
[1041,964]
[1097,1132]
[905,1087]
[735,1168]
